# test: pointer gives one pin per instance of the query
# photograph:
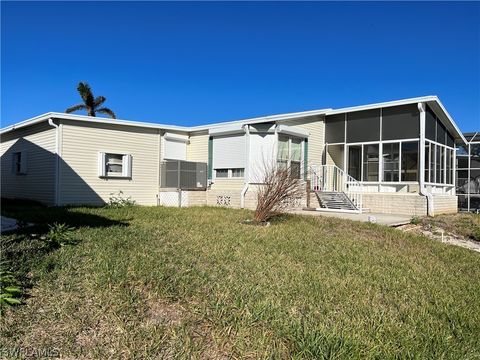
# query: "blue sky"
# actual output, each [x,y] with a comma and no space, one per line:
[194,63]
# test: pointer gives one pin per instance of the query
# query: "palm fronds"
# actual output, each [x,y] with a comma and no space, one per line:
[76,108]
[90,103]
[107,111]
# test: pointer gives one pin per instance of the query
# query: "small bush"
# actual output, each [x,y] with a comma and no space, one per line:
[58,235]
[279,192]
[118,200]
[9,288]
[415,220]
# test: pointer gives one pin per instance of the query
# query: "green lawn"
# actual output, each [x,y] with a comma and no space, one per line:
[152,282]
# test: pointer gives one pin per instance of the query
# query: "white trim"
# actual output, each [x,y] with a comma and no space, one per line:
[126,165]
[293,131]
[380,150]
[271,118]
[175,137]
[227,130]
[57,161]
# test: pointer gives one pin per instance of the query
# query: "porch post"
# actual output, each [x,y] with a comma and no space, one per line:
[345,167]
[421,151]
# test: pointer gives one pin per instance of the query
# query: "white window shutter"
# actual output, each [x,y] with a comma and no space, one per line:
[23,162]
[127,166]
[229,152]
[101,164]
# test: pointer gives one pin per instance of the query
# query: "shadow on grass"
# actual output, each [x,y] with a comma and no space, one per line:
[27,248]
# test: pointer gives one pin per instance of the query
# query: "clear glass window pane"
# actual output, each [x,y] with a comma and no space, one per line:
[475,156]
[283,147]
[410,161]
[114,163]
[370,162]
[236,173]
[449,166]
[427,162]
[391,157]
[438,165]
[354,161]
[221,173]
[296,154]
[475,181]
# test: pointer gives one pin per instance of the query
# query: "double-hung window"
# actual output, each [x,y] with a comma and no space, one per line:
[114,165]
[289,155]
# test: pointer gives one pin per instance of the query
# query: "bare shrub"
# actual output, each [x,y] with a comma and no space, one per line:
[278,191]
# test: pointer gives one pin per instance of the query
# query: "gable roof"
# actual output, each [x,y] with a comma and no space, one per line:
[433,101]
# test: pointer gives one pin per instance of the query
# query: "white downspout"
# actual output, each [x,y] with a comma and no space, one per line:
[247,165]
[57,158]
[423,189]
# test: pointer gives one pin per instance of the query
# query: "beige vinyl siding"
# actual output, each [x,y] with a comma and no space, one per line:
[197,149]
[316,140]
[228,184]
[79,180]
[39,182]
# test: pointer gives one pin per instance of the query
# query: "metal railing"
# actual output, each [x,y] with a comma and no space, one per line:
[332,178]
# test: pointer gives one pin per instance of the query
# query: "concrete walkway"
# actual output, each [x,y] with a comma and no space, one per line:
[382,219]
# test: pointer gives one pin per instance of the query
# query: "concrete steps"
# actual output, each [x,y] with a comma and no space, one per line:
[335,201]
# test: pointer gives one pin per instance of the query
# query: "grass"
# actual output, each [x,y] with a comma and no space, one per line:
[153,282]
[464,224]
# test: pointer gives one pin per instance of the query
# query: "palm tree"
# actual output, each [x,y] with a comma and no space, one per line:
[90,103]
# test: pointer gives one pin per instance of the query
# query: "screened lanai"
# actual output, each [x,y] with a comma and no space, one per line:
[380,148]
[468,173]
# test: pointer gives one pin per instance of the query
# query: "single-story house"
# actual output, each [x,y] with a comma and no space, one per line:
[390,157]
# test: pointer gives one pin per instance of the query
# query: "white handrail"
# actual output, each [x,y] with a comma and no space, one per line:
[332,178]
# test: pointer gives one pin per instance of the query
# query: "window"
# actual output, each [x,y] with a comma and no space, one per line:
[115,165]
[354,156]
[221,173]
[448,168]
[19,163]
[238,173]
[391,157]
[363,126]
[290,154]
[370,162]
[335,128]
[400,122]
[439,164]
[410,161]
[229,173]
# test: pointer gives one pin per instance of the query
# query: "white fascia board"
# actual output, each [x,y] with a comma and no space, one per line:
[175,137]
[227,130]
[90,119]
[427,99]
[382,105]
[258,120]
[451,121]
[292,130]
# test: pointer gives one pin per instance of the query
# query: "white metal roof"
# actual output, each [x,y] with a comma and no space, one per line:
[433,101]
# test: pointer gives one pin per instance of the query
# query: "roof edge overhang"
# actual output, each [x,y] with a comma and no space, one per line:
[432,100]
[98,120]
